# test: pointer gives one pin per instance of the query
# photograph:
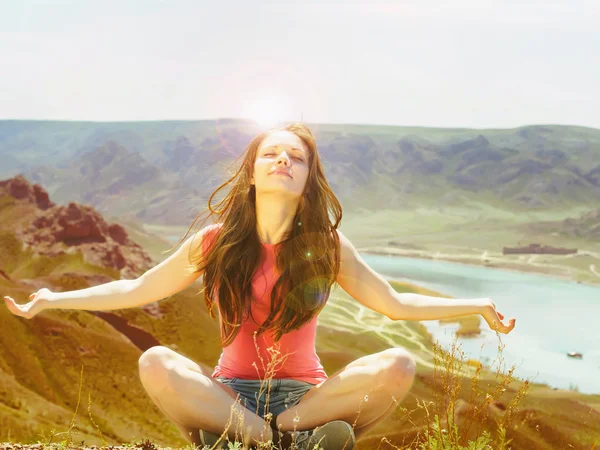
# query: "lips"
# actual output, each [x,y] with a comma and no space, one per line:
[281,172]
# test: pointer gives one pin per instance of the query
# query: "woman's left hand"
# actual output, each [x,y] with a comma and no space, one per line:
[494,318]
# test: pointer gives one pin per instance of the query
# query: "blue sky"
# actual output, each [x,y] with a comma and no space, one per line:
[460,63]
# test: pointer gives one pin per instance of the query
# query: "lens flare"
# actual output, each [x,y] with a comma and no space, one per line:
[267,111]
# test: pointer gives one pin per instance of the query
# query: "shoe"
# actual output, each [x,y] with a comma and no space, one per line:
[334,435]
[208,438]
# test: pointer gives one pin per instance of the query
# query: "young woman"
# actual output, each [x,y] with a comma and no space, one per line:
[269,262]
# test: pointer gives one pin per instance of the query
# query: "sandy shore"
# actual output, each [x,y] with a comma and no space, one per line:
[471,260]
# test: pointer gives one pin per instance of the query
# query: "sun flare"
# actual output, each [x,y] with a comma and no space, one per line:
[267,111]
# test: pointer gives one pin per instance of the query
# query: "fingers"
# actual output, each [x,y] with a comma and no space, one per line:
[500,327]
[511,324]
[10,304]
[15,308]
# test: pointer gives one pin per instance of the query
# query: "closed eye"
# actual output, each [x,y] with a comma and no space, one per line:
[271,154]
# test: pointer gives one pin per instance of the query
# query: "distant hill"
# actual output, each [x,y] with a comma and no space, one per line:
[164,172]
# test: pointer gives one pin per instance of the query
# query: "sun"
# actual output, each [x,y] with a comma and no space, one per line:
[266,111]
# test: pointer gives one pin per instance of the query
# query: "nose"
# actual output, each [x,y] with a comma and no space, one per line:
[281,159]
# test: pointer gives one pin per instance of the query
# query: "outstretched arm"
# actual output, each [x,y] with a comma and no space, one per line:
[368,287]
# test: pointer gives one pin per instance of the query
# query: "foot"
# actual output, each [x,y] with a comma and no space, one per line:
[334,435]
[208,438]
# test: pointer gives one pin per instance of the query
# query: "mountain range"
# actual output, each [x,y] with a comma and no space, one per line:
[164,172]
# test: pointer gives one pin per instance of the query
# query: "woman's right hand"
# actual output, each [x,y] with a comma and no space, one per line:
[39,302]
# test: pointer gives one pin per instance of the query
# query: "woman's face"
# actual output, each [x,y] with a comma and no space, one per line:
[284,151]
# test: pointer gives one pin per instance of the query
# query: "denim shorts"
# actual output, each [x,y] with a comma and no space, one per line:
[284,393]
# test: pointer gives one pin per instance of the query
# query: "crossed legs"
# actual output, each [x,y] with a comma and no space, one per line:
[188,395]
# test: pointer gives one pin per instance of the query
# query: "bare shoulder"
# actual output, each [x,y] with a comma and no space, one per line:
[176,272]
[347,249]
[210,231]
[207,233]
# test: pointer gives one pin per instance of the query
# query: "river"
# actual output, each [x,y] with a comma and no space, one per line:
[554,317]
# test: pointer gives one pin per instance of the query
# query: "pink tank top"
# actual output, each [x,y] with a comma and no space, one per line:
[237,359]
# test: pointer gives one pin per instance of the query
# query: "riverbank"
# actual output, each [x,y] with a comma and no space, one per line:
[499,261]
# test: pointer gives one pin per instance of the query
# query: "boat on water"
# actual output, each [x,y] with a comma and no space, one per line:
[575,355]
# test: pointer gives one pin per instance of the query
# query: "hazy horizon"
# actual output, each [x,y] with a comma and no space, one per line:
[307,122]
[470,64]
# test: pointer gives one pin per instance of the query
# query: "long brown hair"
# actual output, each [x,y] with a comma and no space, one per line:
[308,258]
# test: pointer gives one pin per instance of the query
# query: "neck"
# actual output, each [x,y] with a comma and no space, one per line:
[274,217]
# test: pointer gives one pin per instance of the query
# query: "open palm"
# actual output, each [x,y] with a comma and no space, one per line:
[495,319]
[38,302]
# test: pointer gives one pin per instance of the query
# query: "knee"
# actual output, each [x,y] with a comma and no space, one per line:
[154,365]
[399,366]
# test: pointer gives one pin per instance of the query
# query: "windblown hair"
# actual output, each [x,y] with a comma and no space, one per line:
[308,257]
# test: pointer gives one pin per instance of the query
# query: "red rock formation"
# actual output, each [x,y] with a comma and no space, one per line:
[19,188]
[118,233]
[57,229]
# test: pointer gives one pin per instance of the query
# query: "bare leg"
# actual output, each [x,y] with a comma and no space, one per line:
[192,435]
[188,395]
[359,432]
[383,376]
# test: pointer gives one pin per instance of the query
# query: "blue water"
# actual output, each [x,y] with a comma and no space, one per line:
[554,317]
